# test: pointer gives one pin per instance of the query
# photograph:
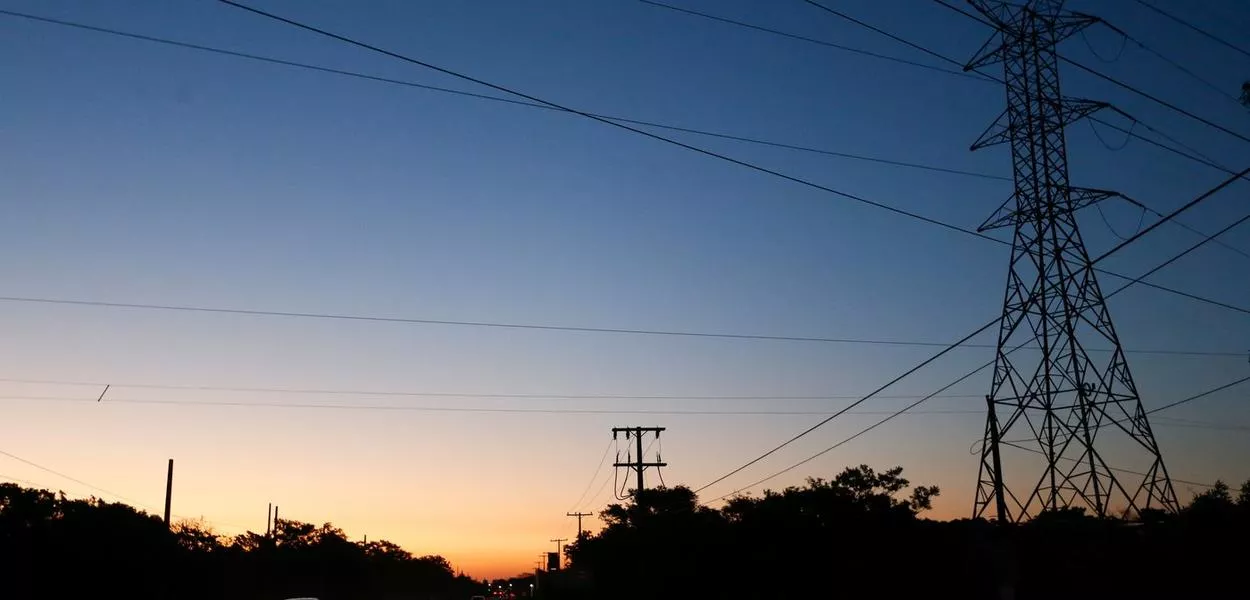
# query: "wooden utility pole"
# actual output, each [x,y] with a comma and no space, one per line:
[559,552]
[579,516]
[638,465]
[269,520]
[169,490]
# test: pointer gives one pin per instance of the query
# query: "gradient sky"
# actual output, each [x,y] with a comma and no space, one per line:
[135,172]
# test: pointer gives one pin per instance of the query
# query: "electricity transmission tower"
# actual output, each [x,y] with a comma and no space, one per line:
[1080,412]
[638,465]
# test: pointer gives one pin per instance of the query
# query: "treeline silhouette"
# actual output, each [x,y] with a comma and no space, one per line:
[860,535]
[56,547]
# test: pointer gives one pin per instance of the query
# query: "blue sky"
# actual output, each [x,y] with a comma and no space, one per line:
[142,173]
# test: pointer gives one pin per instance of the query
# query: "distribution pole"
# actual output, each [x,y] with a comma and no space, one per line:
[638,465]
[1078,411]
[559,551]
[269,520]
[579,516]
[169,489]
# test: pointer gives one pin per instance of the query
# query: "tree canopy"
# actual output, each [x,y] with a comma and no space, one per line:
[862,534]
[56,547]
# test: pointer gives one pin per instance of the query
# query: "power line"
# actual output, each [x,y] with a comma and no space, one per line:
[1192,154]
[1225,305]
[602,487]
[593,478]
[1199,159]
[1189,25]
[447,409]
[1130,472]
[593,117]
[411,84]
[1174,64]
[475,409]
[478,395]
[835,415]
[529,326]
[602,116]
[402,393]
[486,324]
[24,481]
[1177,257]
[76,480]
[1153,98]
[695,13]
[891,416]
[1103,256]
[1177,422]
[1016,444]
[1200,395]
[965,13]
[97,488]
[889,35]
[1206,426]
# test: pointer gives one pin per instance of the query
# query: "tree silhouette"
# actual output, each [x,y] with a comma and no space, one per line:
[858,534]
[55,547]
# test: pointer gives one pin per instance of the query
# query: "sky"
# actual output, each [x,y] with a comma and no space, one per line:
[141,173]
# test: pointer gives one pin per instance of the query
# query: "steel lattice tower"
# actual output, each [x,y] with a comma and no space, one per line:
[1069,407]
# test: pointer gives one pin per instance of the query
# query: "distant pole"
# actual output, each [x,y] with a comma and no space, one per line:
[559,553]
[579,516]
[269,520]
[169,489]
[275,521]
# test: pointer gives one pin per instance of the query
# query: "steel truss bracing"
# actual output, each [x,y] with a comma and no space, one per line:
[1054,401]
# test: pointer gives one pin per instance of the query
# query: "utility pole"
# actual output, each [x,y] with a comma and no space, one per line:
[269,520]
[559,552]
[169,490]
[579,516]
[638,465]
[1053,394]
